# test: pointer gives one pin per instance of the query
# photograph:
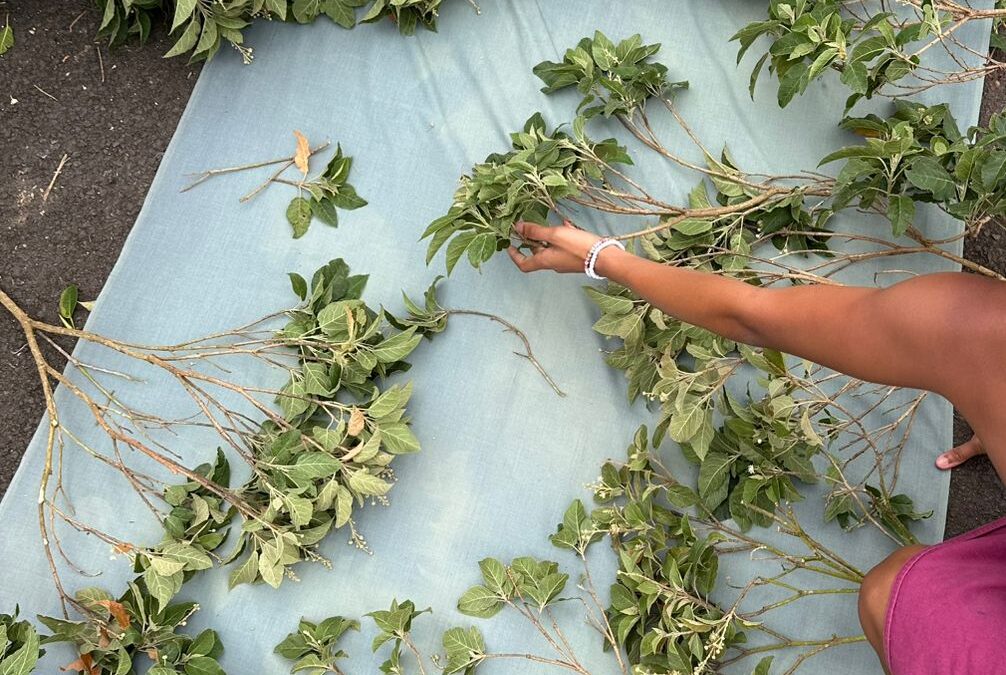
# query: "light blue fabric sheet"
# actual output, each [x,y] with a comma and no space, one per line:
[502,455]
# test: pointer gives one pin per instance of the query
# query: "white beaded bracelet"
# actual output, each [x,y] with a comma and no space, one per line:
[595,250]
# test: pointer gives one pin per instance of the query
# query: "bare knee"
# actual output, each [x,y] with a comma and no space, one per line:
[875,595]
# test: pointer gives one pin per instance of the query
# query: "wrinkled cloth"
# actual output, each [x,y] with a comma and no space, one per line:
[947,612]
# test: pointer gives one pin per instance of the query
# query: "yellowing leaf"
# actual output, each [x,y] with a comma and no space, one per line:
[302,154]
[356,422]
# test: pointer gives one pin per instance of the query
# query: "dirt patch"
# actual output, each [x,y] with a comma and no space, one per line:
[112,116]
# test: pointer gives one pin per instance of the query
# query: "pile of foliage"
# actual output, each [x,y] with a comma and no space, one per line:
[327,453]
[871,48]
[522,184]
[660,617]
[202,27]
[919,155]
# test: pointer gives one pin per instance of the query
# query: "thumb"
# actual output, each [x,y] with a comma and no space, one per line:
[960,454]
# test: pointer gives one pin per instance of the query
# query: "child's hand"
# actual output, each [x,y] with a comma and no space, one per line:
[560,249]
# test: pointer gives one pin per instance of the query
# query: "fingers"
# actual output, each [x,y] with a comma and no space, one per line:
[533,231]
[527,263]
[960,454]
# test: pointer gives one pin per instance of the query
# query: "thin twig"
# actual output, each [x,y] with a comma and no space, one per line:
[206,175]
[59,170]
[528,354]
[45,92]
[101,62]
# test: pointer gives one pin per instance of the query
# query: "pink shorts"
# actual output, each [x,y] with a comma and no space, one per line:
[947,612]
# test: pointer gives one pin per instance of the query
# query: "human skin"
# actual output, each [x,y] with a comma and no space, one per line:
[945,333]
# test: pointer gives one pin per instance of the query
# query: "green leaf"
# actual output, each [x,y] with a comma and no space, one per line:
[480,602]
[183,10]
[544,590]
[346,198]
[856,77]
[298,284]
[271,570]
[398,438]
[313,465]
[687,422]
[23,660]
[609,304]
[791,83]
[162,588]
[456,248]
[305,11]
[994,170]
[763,666]
[365,483]
[190,556]
[481,248]
[926,173]
[398,346]
[245,573]
[495,575]
[68,301]
[343,506]
[714,476]
[324,210]
[187,40]
[298,214]
[901,213]
[390,401]
[463,647]
[375,11]
[341,13]
[693,226]
[7,37]
[203,665]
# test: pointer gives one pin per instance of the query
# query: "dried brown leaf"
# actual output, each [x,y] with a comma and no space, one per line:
[118,611]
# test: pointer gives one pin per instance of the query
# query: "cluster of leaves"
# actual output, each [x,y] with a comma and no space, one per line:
[523,184]
[117,632]
[311,467]
[895,512]
[394,626]
[660,611]
[750,462]
[918,154]
[810,37]
[112,633]
[194,528]
[328,191]
[202,26]
[19,645]
[314,646]
[407,14]
[725,243]
[543,168]
[326,455]
[536,583]
[614,79]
